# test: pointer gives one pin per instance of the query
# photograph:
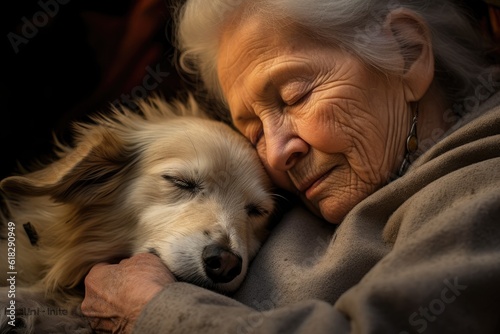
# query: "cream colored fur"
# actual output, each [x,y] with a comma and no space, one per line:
[167,180]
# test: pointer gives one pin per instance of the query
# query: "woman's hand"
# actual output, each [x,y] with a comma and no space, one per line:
[115,294]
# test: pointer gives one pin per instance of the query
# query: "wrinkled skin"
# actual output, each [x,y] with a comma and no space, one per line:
[138,280]
[325,125]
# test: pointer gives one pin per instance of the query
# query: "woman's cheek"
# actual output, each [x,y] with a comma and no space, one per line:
[322,127]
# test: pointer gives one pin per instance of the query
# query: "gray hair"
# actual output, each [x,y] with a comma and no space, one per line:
[354,25]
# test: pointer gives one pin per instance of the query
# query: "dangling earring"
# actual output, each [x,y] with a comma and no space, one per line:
[411,143]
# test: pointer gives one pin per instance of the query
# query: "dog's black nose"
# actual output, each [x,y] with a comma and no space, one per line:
[221,265]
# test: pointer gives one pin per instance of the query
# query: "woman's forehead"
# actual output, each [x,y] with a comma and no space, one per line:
[257,46]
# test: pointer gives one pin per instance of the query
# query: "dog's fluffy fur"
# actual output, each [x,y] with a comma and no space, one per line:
[166,180]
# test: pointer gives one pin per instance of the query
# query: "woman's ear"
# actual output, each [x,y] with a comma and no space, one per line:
[412,36]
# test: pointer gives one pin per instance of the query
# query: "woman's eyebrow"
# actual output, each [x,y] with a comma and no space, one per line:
[291,70]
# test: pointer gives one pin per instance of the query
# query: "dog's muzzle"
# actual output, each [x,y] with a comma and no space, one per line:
[221,265]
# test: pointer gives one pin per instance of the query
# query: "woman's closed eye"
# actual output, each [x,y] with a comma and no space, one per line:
[259,134]
[252,129]
[296,98]
[294,92]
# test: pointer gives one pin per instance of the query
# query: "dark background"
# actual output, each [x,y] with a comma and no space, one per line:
[84,54]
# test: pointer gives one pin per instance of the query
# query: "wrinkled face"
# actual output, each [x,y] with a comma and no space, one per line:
[203,200]
[325,125]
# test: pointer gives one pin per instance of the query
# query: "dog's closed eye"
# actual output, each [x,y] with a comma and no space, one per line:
[189,185]
[253,210]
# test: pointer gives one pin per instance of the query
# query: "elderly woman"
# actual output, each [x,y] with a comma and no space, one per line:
[381,116]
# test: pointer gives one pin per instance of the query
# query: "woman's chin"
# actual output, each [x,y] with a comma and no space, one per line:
[324,210]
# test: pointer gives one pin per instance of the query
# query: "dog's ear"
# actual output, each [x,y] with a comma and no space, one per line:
[91,172]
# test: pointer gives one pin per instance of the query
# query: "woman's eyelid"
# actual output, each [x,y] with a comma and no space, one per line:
[293,91]
[250,127]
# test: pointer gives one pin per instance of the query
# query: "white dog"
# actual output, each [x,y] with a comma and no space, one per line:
[167,181]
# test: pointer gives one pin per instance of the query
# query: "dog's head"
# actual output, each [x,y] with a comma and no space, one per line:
[203,201]
[186,188]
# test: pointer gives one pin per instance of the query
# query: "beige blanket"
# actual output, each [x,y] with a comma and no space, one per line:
[420,255]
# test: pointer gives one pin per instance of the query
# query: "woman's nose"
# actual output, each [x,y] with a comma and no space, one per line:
[284,148]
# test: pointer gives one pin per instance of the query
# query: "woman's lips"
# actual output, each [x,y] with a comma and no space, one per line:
[310,188]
